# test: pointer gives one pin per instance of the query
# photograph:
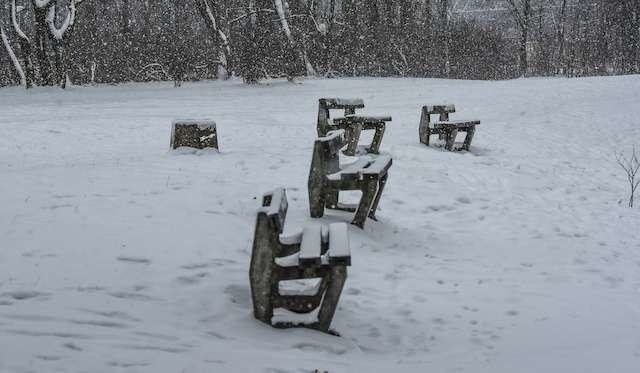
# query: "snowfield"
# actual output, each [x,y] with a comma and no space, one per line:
[117,255]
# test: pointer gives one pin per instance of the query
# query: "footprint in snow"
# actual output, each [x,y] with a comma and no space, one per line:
[131,296]
[100,323]
[316,347]
[118,315]
[72,346]
[31,333]
[48,357]
[134,260]
[210,264]
[190,280]
[171,350]
[25,294]
[239,294]
[120,364]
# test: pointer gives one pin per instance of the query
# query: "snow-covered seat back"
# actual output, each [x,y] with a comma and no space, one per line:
[349,105]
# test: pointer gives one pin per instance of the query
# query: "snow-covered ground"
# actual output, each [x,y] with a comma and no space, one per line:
[117,255]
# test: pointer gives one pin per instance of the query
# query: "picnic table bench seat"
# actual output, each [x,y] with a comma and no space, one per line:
[296,280]
[328,177]
[445,128]
[352,123]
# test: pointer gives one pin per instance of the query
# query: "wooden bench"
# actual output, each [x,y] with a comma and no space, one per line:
[296,280]
[445,129]
[327,178]
[353,124]
[325,123]
[198,134]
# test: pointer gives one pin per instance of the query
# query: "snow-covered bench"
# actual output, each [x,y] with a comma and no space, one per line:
[445,129]
[194,133]
[353,124]
[296,280]
[328,177]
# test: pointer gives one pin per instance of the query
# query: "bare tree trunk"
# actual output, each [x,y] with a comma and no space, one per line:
[282,9]
[443,37]
[561,37]
[521,11]
[12,56]
[210,11]
[25,46]
[42,43]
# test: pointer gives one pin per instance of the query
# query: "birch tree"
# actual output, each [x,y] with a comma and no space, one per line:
[211,12]
[12,56]
[282,9]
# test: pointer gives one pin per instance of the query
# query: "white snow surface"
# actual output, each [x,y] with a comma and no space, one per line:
[117,255]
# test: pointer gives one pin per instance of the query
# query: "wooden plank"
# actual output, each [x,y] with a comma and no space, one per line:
[439,109]
[379,166]
[351,171]
[334,141]
[457,123]
[311,245]
[275,205]
[339,249]
[342,103]
[366,119]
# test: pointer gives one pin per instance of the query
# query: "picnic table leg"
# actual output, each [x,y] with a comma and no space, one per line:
[377,139]
[337,277]
[353,135]
[368,195]
[316,200]
[424,132]
[331,199]
[451,138]
[467,140]
[376,201]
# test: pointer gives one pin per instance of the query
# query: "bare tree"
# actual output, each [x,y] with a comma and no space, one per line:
[282,9]
[213,16]
[521,10]
[12,56]
[53,23]
[631,166]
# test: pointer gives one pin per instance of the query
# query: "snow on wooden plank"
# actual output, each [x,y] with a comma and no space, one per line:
[438,109]
[342,103]
[379,166]
[284,316]
[275,205]
[291,239]
[366,119]
[292,260]
[351,171]
[311,245]
[339,249]
[301,287]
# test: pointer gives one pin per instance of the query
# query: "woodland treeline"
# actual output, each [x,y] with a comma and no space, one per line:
[53,42]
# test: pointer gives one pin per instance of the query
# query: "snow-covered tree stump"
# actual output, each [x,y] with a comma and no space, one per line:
[198,134]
